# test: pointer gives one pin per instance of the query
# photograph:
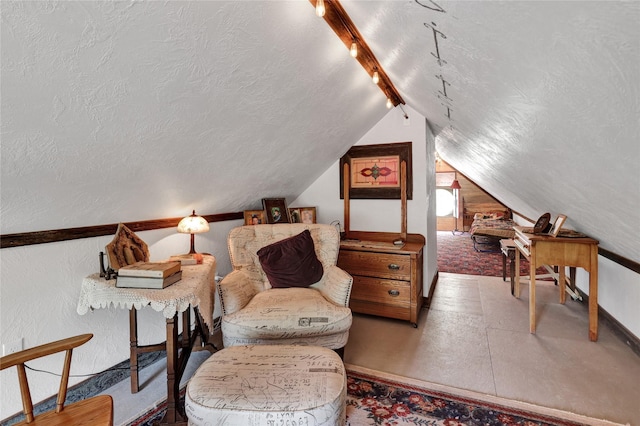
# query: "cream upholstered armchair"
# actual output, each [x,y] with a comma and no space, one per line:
[302,298]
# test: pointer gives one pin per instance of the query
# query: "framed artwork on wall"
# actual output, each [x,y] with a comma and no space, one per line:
[254,217]
[276,210]
[302,214]
[375,171]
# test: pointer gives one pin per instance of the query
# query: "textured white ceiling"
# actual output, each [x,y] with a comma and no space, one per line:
[543,100]
[107,102]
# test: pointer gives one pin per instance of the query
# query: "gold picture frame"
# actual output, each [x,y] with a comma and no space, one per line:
[302,214]
[254,217]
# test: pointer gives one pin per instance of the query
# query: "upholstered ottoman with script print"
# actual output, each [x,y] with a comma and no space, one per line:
[267,385]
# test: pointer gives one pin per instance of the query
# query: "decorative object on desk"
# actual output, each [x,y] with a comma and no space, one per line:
[254,217]
[375,171]
[302,214]
[542,223]
[276,210]
[148,282]
[126,248]
[557,225]
[188,259]
[193,224]
[150,269]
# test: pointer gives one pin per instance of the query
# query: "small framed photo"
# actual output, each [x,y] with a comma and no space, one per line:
[302,214]
[276,210]
[557,225]
[254,217]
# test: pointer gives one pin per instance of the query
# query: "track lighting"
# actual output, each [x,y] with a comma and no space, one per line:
[354,49]
[376,77]
[320,10]
[389,103]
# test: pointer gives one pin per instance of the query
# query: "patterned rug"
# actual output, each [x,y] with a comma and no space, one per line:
[376,398]
[457,255]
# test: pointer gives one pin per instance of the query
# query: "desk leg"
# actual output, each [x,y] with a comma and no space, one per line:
[517,274]
[173,414]
[532,293]
[593,295]
[133,349]
[563,284]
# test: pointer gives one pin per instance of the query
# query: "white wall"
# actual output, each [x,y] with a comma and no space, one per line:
[384,215]
[40,286]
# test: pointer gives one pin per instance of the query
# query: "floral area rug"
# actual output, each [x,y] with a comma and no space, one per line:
[375,398]
[457,256]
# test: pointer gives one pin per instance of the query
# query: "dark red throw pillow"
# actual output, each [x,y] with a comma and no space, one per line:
[291,262]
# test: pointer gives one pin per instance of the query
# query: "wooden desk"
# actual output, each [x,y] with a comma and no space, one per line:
[194,290]
[558,251]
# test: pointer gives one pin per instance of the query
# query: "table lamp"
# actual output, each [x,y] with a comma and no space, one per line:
[193,225]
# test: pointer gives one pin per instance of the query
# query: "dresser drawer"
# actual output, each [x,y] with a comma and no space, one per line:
[370,264]
[376,290]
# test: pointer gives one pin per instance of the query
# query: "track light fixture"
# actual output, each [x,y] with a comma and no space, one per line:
[336,17]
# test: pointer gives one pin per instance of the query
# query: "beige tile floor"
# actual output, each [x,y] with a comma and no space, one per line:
[475,336]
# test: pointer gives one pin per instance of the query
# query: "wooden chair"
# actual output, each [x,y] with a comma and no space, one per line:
[93,411]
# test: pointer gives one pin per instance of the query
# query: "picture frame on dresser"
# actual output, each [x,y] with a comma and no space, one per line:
[375,171]
[276,210]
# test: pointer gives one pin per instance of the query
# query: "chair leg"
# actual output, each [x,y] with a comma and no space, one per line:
[340,352]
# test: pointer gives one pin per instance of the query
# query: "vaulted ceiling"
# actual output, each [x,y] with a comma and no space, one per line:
[140,107]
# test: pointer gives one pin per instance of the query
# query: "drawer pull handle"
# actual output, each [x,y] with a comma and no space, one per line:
[394,266]
[394,293]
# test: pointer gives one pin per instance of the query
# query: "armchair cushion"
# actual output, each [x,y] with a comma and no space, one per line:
[291,262]
[288,316]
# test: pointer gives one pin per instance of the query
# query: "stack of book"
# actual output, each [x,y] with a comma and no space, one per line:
[188,259]
[156,275]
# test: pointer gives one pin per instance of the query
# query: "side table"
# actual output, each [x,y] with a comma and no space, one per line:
[195,290]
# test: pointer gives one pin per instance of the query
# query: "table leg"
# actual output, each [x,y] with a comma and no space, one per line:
[532,293]
[562,282]
[504,266]
[173,415]
[593,295]
[133,349]
[517,273]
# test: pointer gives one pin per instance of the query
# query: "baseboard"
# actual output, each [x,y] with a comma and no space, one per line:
[619,330]
[426,303]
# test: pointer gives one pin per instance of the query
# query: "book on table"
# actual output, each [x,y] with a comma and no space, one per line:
[150,269]
[188,259]
[148,282]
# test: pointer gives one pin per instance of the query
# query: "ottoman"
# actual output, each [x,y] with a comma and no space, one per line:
[267,385]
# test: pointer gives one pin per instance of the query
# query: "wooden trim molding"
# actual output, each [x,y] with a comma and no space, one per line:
[41,237]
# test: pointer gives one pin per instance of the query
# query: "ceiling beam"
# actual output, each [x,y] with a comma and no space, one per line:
[345,29]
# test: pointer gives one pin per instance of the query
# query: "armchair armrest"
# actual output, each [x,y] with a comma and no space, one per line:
[236,290]
[335,285]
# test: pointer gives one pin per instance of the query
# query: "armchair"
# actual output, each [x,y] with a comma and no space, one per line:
[255,313]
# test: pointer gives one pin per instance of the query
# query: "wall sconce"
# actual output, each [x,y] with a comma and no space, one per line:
[193,225]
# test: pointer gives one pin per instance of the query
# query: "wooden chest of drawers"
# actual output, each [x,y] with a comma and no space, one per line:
[387,280]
